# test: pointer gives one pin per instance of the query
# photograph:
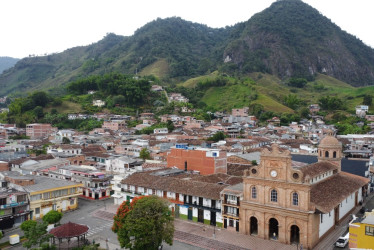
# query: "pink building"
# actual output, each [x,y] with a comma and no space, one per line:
[114,125]
[39,130]
[240,112]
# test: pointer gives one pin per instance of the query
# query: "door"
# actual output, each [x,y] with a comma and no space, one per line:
[200,215]
[190,213]
[213,204]
[213,218]
[176,211]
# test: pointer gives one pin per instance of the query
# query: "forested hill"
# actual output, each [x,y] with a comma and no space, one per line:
[288,39]
[7,62]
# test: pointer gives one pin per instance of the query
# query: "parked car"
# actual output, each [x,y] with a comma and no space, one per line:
[342,241]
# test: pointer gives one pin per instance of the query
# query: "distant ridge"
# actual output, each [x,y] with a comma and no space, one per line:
[288,39]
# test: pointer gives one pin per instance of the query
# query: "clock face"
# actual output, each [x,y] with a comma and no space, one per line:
[273,173]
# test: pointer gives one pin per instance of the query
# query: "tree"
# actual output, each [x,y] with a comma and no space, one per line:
[145,154]
[291,101]
[254,163]
[144,223]
[52,217]
[65,140]
[217,136]
[35,232]
[368,100]
[297,82]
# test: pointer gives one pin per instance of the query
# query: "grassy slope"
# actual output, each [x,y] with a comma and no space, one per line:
[66,107]
[190,83]
[271,92]
[160,69]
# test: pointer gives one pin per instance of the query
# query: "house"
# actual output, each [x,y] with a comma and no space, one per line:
[361,110]
[230,199]
[156,88]
[204,160]
[299,203]
[98,103]
[160,131]
[314,108]
[95,184]
[39,130]
[14,206]
[114,125]
[243,112]
[67,133]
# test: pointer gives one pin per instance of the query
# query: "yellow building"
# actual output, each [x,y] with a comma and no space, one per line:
[48,194]
[361,232]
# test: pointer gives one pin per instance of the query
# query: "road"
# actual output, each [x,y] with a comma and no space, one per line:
[99,228]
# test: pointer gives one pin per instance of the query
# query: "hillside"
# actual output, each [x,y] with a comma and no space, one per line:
[292,39]
[7,62]
[288,39]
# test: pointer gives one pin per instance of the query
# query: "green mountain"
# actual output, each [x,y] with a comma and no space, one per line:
[288,39]
[6,63]
[292,39]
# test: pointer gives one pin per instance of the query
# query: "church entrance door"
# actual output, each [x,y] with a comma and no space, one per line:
[295,234]
[253,226]
[273,229]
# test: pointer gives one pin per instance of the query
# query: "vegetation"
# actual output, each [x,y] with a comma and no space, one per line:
[217,137]
[52,217]
[144,223]
[36,233]
[145,154]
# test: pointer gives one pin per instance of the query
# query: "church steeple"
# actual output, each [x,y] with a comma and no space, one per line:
[330,149]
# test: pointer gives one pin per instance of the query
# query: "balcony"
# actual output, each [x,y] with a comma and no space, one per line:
[196,205]
[14,204]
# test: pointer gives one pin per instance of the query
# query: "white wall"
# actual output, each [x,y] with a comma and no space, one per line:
[346,205]
[327,222]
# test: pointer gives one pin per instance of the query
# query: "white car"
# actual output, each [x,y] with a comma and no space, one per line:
[342,241]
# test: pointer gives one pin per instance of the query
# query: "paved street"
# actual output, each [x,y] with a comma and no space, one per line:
[98,216]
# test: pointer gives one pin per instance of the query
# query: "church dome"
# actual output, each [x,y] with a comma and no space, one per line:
[329,142]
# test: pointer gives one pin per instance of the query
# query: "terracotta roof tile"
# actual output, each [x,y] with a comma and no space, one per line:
[329,193]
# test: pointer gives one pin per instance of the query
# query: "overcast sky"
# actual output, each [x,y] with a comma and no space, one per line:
[48,26]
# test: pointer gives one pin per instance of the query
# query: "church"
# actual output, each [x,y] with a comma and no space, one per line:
[298,203]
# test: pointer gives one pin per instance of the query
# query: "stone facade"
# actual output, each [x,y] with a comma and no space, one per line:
[290,202]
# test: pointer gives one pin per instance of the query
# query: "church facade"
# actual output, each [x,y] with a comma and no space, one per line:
[297,203]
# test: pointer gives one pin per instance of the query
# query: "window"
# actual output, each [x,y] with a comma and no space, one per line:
[231,210]
[327,154]
[37,210]
[71,202]
[46,196]
[231,223]
[369,230]
[254,193]
[321,218]
[274,195]
[295,199]
[334,154]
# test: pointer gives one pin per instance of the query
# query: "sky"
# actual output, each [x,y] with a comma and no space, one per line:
[38,27]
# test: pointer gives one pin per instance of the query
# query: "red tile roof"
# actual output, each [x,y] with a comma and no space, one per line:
[69,230]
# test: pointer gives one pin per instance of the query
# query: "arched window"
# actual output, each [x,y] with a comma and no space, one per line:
[254,193]
[327,154]
[274,195]
[295,199]
[334,154]
[320,153]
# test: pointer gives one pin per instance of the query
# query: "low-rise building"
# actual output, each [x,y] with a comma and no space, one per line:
[14,206]
[361,232]
[39,130]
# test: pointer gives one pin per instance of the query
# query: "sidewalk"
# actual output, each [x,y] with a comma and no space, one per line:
[224,239]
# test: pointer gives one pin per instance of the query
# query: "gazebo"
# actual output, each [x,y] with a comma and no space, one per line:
[68,231]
